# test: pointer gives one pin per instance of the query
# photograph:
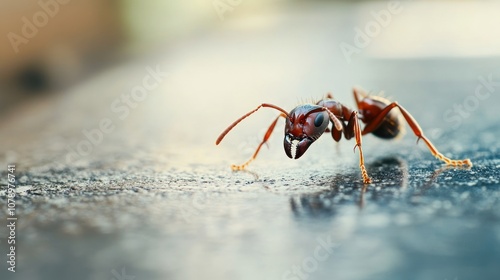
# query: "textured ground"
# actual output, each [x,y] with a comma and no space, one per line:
[155,198]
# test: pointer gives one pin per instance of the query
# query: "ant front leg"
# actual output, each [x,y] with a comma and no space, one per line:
[354,128]
[264,140]
[416,130]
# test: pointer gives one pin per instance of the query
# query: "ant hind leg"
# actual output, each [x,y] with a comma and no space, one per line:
[370,127]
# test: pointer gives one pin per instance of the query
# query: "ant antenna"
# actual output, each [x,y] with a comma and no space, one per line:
[223,134]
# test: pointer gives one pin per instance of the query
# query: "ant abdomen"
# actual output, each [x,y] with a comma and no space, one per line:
[392,125]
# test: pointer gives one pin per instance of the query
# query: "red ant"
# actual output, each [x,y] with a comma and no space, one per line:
[306,123]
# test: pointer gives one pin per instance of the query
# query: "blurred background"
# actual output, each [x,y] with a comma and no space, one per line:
[110,110]
[229,54]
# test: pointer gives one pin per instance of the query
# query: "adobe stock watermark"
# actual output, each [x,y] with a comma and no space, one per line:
[223,6]
[122,275]
[122,106]
[310,264]
[464,110]
[364,37]
[48,9]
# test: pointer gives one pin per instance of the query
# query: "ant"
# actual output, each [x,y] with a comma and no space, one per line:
[306,123]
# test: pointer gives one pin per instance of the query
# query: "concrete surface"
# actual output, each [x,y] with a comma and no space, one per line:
[155,198]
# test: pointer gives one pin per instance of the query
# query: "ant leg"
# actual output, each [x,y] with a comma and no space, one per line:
[357,132]
[336,134]
[264,140]
[349,132]
[416,130]
[359,94]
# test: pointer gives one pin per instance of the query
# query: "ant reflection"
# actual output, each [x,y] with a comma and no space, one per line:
[346,189]
[428,184]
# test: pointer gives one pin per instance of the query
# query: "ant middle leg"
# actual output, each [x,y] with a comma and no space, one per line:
[354,129]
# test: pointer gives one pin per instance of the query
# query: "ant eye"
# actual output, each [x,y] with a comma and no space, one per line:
[319,120]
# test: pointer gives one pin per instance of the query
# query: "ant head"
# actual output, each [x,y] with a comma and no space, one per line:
[304,125]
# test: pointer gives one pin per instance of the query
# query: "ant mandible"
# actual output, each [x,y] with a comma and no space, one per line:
[306,123]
